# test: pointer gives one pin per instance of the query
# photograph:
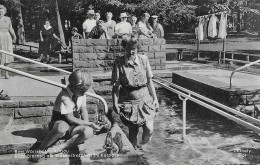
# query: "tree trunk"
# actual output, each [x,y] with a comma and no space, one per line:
[20,26]
[59,22]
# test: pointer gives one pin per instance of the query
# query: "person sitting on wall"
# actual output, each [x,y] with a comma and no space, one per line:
[143,27]
[123,28]
[99,31]
[74,35]
[157,27]
[89,24]
[70,117]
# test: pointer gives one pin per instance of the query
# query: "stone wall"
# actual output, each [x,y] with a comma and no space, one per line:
[99,54]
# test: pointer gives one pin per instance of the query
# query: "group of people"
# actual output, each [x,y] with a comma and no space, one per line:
[95,28]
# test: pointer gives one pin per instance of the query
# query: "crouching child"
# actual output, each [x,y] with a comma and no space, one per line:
[70,116]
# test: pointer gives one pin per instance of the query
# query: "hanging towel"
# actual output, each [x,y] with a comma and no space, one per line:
[205,27]
[222,26]
[200,29]
[212,28]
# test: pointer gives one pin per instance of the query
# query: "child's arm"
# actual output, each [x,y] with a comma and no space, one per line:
[77,121]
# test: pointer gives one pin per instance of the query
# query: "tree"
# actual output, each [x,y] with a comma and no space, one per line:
[59,22]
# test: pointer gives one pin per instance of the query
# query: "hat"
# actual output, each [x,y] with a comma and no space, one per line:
[91,12]
[154,16]
[123,15]
[74,29]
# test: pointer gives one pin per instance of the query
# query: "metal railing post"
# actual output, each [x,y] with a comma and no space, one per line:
[238,69]
[184,110]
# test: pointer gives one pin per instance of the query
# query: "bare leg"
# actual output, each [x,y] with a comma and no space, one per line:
[147,132]
[78,136]
[133,132]
[59,130]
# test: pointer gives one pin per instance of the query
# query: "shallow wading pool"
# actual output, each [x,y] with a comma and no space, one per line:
[211,138]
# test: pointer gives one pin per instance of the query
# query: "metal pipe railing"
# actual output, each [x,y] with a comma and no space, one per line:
[215,103]
[184,97]
[52,83]
[36,62]
[238,69]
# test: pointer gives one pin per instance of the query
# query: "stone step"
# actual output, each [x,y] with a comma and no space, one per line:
[29,112]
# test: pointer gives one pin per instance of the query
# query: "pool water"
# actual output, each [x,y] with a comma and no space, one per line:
[211,138]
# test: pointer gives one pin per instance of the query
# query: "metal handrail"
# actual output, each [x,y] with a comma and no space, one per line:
[52,83]
[231,110]
[206,105]
[36,62]
[238,69]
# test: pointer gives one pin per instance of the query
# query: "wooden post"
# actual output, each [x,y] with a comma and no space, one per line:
[247,58]
[224,54]
[219,57]
[198,49]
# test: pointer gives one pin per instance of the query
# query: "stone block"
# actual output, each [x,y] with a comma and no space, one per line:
[160,54]
[150,55]
[32,120]
[154,48]
[155,62]
[147,41]
[163,47]
[9,104]
[34,103]
[143,48]
[87,64]
[153,67]
[82,49]
[100,49]
[91,69]
[114,49]
[159,41]
[114,42]
[76,42]
[94,42]
[160,67]
[88,56]
[163,61]
[32,112]
[6,111]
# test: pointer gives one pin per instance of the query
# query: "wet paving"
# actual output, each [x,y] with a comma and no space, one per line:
[211,138]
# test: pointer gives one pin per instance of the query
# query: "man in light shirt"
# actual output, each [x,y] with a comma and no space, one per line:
[143,28]
[89,24]
[123,27]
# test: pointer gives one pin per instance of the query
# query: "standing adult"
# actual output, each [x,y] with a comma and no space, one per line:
[7,36]
[97,16]
[46,36]
[89,24]
[134,97]
[144,29]
[110,25]
[157,27]
[123,28]
[134,25]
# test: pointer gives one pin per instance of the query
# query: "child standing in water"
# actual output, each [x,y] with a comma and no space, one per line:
[70,115]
